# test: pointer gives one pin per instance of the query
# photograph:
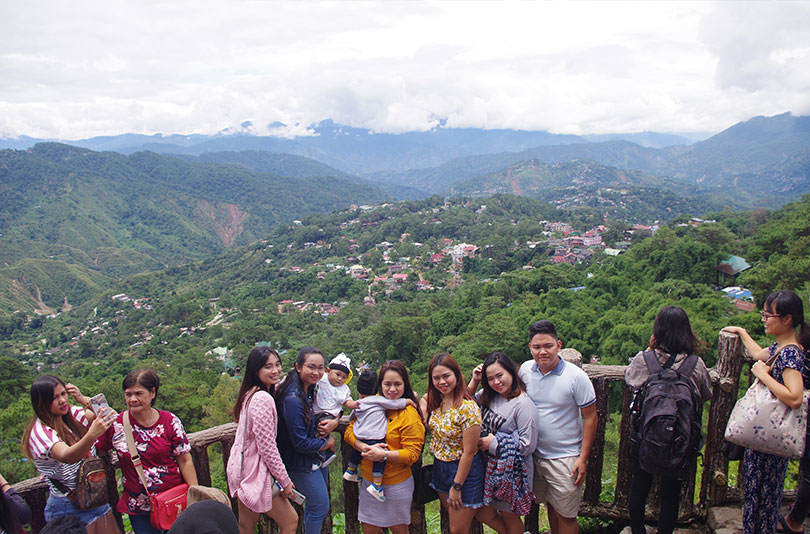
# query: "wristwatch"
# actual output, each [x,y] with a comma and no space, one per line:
[456,486]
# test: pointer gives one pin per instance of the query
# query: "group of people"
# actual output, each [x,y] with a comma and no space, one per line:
[525,435]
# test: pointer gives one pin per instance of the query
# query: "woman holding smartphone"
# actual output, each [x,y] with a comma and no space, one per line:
[57,439]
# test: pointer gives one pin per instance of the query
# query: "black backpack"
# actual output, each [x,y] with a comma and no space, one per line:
[666,422]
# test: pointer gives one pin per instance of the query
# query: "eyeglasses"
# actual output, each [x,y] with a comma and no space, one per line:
[311,367]
[766,315]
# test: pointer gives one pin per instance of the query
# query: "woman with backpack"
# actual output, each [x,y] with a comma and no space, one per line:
[255,468]
[672,346]
[787,376]
[57,439]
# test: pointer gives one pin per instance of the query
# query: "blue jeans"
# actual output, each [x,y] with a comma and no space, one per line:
[59,506]
[141,524]
[313,485]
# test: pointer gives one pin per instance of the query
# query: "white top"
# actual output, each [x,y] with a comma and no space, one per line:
[43,438]
[558,396]
[329,398]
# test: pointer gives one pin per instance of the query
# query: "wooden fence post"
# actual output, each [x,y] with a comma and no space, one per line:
[726,375]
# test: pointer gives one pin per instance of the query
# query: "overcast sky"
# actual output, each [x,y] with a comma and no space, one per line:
[79,69]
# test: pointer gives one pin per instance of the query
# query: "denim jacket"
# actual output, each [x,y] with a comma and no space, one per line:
[296,439]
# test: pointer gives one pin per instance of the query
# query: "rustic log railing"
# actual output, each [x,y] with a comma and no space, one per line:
[714,489]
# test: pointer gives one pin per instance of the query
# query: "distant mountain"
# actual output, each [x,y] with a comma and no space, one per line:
[611,192]
[272,162]
[764,160]
[70,211]
[354,150]
[645,139]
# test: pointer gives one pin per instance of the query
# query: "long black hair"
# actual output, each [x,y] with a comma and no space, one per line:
[786,303]
[518,387]
[257,358]
[673,332]
[66,426]
[293,379]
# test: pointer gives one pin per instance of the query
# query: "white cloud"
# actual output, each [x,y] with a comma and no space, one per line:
[85,68]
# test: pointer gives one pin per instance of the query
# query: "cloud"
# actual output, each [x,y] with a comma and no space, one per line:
[71,70]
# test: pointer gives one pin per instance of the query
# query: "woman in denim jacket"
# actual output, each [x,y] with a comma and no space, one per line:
[299,438]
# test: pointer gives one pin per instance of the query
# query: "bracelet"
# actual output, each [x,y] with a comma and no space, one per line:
[385,458]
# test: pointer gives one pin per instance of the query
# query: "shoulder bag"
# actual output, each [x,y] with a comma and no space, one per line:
[166,505]
[91,485]
[762,422]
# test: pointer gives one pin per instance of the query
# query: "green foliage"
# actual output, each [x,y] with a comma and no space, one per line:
[469,314]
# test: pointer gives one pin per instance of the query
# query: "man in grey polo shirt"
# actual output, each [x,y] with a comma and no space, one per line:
[566,417]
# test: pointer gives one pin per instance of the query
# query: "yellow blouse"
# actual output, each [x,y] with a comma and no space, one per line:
[406,434]
[447,428]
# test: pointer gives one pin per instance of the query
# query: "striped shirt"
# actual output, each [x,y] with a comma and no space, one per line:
[43,438]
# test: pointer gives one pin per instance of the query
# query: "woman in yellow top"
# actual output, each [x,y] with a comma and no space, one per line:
[454,419]
[403,445]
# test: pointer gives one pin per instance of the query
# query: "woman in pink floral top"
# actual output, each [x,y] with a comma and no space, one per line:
[255,468]
[161,442]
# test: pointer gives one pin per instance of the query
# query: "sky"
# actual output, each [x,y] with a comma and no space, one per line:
[72,70]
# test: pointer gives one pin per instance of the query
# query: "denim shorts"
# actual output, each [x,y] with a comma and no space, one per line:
[59,506]
[472,491]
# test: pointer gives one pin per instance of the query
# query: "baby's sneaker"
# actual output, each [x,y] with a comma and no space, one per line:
[328,460]
[376,491]
[351,475]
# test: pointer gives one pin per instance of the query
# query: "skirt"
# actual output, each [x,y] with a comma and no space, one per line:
[396,510]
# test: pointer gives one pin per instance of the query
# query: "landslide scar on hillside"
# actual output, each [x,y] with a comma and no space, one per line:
[227,220]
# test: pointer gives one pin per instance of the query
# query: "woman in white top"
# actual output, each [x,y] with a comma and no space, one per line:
[57,439]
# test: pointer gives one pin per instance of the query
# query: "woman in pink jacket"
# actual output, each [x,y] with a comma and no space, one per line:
[254,456]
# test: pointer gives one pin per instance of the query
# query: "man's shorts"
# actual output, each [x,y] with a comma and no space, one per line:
[554,484]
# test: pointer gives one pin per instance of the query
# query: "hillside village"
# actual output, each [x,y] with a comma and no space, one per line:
[435,265]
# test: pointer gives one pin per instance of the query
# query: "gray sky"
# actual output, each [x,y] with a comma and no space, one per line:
[85,68]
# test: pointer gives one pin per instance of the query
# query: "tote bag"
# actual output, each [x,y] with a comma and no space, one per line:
[762,422]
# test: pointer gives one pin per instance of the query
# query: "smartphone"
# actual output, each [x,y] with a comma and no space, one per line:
[98,402]
[298,497]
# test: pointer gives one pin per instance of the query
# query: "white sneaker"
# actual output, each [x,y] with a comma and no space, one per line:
[329,460]
[351,476]
[376,491]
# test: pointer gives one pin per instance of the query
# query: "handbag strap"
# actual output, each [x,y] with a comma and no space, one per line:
[246,414]
[133,452]
[770,361]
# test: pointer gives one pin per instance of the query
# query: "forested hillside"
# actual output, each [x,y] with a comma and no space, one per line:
[73,220]
[477,273]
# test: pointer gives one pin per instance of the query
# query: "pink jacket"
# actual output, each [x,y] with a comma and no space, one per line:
[258,440]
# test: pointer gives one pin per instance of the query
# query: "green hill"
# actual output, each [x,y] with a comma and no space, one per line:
[116,215]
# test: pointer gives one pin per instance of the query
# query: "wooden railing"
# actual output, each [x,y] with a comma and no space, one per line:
[714,489]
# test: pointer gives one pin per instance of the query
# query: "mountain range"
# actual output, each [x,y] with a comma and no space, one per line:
[75,218]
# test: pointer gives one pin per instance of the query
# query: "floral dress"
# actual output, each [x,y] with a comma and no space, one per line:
[158,446]
[765,473]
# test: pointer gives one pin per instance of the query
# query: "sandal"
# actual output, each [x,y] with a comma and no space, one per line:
[784,528]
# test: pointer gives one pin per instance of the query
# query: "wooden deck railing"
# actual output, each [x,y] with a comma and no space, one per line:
[714,489]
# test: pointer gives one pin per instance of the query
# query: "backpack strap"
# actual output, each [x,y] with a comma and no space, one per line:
[652,362]
[688,366]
